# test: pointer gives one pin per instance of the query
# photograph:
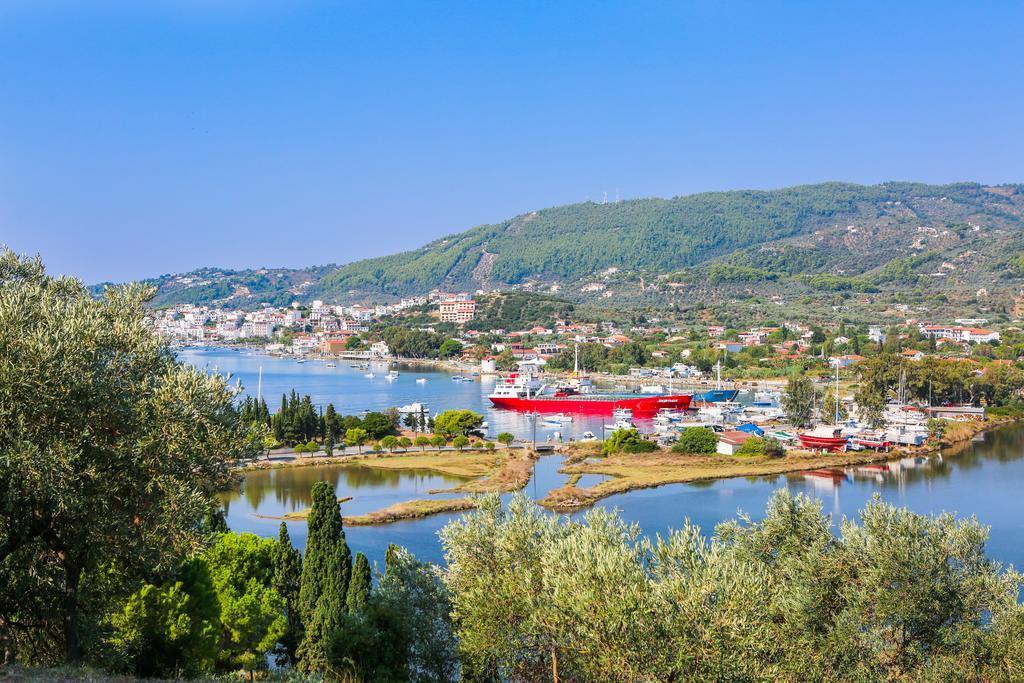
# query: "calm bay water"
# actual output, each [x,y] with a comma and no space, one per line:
[983,478]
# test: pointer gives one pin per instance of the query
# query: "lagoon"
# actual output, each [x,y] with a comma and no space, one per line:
[983,478]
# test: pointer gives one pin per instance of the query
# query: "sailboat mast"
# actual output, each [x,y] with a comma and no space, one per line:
[837,392]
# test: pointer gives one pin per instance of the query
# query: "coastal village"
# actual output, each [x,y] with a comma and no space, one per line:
[837,361]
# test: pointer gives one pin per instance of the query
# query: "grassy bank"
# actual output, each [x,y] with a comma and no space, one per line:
[647,470]
[488,472]
[413,509]
[512,475]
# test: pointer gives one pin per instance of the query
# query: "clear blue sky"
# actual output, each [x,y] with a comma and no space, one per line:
[146,137]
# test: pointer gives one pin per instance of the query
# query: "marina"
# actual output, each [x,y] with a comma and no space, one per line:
[947,482]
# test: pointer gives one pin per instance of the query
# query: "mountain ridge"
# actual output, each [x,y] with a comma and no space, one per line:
[753,237]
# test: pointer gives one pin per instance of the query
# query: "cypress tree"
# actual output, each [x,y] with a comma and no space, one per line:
[360,585]
[326,571]
[287,579]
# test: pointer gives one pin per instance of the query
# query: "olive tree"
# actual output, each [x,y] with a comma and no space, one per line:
[110,451]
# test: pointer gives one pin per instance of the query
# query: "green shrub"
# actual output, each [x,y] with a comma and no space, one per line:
[773,447]
[628,441]
[752,446]
[696,440]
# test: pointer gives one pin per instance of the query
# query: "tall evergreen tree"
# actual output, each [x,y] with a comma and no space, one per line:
[287,580]
[326,571]
[360,585]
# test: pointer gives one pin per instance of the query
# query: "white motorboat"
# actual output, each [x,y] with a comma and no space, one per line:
[421,380]
[369,375]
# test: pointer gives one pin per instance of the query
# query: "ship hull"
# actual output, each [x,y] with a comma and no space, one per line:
[822,443]
[717,395]
[596,405]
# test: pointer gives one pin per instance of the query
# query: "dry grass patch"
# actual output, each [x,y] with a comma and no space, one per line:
[513,474]
[469,464]
[413,509]
[646,470]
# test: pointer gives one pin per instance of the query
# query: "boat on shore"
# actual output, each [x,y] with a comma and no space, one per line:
[824,438]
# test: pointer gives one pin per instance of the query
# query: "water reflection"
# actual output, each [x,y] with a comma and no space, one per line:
[277,492]
[981,478]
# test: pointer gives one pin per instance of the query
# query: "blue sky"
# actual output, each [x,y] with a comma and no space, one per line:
[140,138]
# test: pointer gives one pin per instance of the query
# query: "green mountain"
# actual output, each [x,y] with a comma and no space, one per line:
[830,237]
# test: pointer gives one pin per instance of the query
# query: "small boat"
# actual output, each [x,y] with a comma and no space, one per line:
[301,360]
[393,373]
[621,424]
[332,365]
[457,378]
[391,378]
[369,375]
[421,380]
[415,408]
[823,438]
[588,436]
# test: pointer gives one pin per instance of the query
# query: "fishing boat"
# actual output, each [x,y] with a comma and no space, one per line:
[523,390]
[718,394]
[827,437]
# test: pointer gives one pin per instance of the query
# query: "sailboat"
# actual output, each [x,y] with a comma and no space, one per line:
[718,394]
[826,437]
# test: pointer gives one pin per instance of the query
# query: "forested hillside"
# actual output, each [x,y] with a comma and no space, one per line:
[794,241]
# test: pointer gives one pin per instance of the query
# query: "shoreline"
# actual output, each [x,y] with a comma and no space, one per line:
[500,471]
[509,470]
[651,470]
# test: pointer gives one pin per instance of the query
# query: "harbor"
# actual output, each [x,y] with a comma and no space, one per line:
[928,482]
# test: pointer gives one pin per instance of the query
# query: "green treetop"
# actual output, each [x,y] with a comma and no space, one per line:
[361,584]
[326,571]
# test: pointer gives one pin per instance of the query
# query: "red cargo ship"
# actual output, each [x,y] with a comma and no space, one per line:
[523,391]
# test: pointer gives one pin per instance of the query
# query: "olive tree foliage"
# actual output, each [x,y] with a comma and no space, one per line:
[110,452]
[893,596]
[417,592]
[538,599]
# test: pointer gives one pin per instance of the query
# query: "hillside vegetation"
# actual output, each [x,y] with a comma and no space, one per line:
[830,237]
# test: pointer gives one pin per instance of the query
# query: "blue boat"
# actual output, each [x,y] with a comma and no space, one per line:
[717,395]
